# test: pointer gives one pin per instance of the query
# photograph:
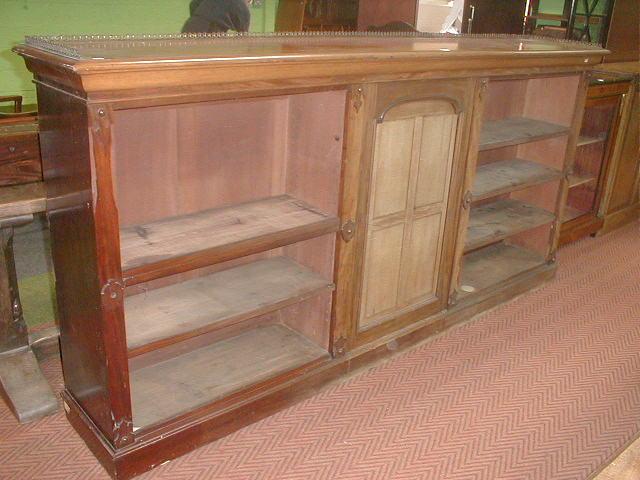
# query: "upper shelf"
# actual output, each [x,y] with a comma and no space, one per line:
[187,242]
[506,176]
[517,130]
[498,220]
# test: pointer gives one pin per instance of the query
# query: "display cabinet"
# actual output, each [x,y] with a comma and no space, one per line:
[526,140]
[621,199]
[597,156]
[237,221]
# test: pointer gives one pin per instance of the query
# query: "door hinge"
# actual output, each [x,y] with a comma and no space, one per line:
[467,199]
[112,291]
[453,298]
[348,230]
[340,347]
[358,98]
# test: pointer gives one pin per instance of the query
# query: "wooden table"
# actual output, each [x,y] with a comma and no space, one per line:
[22,384]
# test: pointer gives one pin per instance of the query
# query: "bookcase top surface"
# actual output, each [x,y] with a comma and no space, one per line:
[355,45]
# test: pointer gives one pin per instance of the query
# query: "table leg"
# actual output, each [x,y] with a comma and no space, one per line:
[22,384]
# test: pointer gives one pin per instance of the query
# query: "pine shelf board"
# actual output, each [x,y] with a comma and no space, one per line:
[585,140]
[495,264]
[517,130]
[577,180]
[183,243]
[174,313]
[498,220]
[571,213]
[506,176]
[199,377]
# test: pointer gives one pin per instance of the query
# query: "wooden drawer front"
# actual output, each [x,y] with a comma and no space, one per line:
[20,159]
[414,149]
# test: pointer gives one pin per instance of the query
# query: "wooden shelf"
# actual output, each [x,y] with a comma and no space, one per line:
[180,384]
[517,130]
[179,244]
[498,220]
[571,213]
[507,176]
[584,140]
[177,312]
[495,264]
[576,180]
[549,16]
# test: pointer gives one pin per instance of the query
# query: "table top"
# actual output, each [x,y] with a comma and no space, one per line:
[353,45]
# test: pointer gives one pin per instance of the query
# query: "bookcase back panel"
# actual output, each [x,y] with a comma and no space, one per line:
[171,161]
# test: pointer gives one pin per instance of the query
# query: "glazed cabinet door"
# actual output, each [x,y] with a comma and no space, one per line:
[411,172]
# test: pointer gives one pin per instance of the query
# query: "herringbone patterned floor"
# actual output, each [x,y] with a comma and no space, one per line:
[544,387]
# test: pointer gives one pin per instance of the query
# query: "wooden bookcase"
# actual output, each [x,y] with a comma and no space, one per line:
[597,155]
[238,221]
[526,137]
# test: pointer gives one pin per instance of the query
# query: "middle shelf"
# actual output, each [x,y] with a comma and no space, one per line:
[498,220]
[182,243]
[197,306]
[506,176]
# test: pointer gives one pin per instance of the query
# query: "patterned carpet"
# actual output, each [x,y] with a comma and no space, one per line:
[544,387]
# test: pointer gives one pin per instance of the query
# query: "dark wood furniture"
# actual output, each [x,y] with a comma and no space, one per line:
[597,159]
[22,195]
[621,198]
[494,16]
[316,15]
[22,384]
[380,12]
[223,248]
[623,38]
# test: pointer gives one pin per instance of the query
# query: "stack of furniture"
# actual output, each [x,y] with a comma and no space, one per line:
[224,247]
[22,384]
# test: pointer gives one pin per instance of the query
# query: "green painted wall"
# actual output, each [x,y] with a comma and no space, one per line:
[552,6]
[48,17]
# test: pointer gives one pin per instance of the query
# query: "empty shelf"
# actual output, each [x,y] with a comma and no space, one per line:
[199,377]
[517,130]
[584,140]
[178,244]
[495,264]
[194,307]
[570,213]
[576,180]
[498,220]
[509,175]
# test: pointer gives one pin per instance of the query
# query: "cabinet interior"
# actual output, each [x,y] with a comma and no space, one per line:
[590,159]
[228,248]
[520,166]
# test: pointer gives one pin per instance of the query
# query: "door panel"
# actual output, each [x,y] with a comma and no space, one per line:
[420,260]
[383,270]
[412,162]
[392,164]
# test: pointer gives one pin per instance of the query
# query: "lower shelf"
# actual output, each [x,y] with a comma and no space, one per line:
[498,220]
[571,213]
[175,386]
[495,264]
[576,180]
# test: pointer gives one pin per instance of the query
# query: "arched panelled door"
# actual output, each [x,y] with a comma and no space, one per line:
[414,174]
